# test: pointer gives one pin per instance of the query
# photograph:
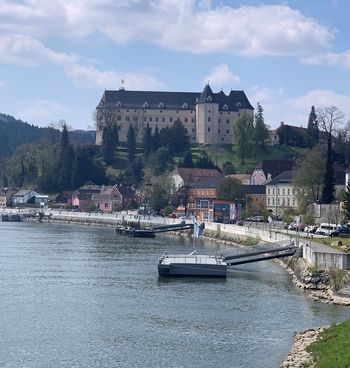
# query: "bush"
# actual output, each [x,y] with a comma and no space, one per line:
[338,277]
[314,269]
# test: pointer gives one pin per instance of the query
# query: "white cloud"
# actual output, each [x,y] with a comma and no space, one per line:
[24,50]
[330,58]
[194,26]
[221,76]
[42,112]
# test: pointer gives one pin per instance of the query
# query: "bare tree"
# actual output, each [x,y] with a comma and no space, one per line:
[329,118]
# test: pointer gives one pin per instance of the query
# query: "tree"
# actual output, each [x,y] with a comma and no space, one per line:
[309,175]
[261,133]
[131,143]
[228,168]
[147,140]
[329,118]
[312,128]
[204,162]
[175,137]
[187,160]
[66,161]
[156,139]
[243,132]
[160,160]
[110,140]
[231,190]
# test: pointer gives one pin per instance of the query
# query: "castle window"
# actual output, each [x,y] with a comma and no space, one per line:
[219,121]
[150,118]
[192,120]
[209,129]
[163,120]
[219,131]
[191,111]
[127,118]
[161,111]
[171,120]
[238,104]
[135,119]
[157,119]
[209,120]
[222,139]
[209,111]
[161,105]
[127,110]
[185,105]
[227,131]
[144,118]
[209,99]
[185,120]
[225,107]
[177,111]
[145,105]
[119,104]
[227,121]
[193,130]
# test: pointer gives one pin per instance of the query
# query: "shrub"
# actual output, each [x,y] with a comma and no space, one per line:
[338,277]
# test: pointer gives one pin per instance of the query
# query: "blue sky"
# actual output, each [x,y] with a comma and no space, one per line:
[58,56]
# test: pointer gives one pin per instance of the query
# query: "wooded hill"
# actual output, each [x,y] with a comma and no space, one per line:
[15,132]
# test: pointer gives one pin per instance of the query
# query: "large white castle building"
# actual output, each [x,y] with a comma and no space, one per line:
[207,116]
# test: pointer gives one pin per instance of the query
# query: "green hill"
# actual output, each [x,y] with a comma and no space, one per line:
[15,132]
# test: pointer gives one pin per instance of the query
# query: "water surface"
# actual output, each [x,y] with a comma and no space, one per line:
[80,296]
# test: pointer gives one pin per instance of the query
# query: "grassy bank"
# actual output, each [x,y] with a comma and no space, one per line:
[332,349]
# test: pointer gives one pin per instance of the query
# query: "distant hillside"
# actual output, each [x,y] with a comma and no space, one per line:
[14,132]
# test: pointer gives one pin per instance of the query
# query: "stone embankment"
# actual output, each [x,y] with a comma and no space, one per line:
[298,357]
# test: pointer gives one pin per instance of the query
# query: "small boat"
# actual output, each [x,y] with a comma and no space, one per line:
[192,264]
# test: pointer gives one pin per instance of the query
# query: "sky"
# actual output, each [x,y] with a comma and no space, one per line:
[58,56]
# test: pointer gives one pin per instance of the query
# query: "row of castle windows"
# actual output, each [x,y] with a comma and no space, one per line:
[161,105]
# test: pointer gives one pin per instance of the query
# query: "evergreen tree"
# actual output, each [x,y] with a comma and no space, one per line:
[66,161]
[131,143]
[261,133]
[328,183]
[147,140]
[110,142]
[187,160]
[243,134]
[312,128]
[204,162]
[156,139]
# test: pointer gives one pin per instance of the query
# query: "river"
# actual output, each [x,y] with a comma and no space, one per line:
[83,296]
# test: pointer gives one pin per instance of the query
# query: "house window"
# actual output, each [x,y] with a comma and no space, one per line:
[227,121]
[227,131]
[209,129]
[209,120]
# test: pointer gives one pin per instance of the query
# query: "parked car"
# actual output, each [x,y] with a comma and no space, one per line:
[326,229]
[311,229]
[344,230]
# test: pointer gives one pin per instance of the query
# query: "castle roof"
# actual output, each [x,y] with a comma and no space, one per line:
[173,100]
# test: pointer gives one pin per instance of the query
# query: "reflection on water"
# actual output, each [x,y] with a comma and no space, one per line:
[75,296]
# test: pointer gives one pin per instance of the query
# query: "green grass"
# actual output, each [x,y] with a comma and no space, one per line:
[332,349]
[222,153]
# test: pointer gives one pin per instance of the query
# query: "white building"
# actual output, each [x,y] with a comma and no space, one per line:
[207,116]
[281,193]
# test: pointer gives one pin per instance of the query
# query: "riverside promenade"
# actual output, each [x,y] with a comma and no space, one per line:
[314,253]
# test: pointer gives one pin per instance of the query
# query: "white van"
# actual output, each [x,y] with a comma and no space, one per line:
[325,228]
